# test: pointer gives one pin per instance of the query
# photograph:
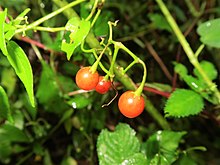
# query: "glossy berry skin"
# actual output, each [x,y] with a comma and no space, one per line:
[85,79]
[131,105]
[103,85]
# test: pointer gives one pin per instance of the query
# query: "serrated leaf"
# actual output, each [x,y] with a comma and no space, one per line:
[119,147]
[194,83]
[209,32]
[183,103]
[162,147]
[2,32]
[76,36]
[136,159]
[19,61]
[209,69]
[5,111]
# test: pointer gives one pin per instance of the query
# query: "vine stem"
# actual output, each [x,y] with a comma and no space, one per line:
[119,45]
[92,41]
[41,20]
[141,87]
[93,51]
[93,10]
[188,50]
[111,69]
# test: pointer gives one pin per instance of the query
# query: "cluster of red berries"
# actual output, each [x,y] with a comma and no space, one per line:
[129,104]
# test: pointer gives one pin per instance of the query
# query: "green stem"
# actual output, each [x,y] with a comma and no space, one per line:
[118,71]
[111,69]
[37,52]
[24,158]
[69,13]
[129,66]
[129,52]
[110,24]
[189,52]
[199,50]
[141,87]
[93,51]
[136,60]
[192,8]
[96,17]
[41,20]
[49,29]
[93,10]
[129,84]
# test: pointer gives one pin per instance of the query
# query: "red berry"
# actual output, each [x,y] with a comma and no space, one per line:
[87,80]
[131,105]
[103,85]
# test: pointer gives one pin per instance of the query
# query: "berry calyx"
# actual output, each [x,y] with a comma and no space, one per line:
[85,79]
[130,104]
[103,85]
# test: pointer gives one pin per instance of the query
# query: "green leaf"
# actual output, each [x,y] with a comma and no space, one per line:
[13,134]
[67,114]
[80,101]
[2,31]
[180,69]
[183,160]
[47,83]
[69,161]
[101,26]
[159,159]
[47,158]
[183,103]
[162,147]
[5,111]
[136,159]
[209,69]
[26,103]
[9,31]
[8,80]
[209,32]
[52,100]
[5,150]
[19,61]
[119,147]
[194,83]
[160,22]
[77,35]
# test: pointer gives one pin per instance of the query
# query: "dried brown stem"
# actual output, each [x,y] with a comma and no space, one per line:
[158,59]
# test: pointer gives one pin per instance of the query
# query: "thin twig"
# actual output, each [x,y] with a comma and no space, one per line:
[158,59]
[77,92]
[116,94]
[31,41]
[152,90]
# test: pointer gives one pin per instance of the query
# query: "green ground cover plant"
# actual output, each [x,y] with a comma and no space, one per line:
[109,82]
